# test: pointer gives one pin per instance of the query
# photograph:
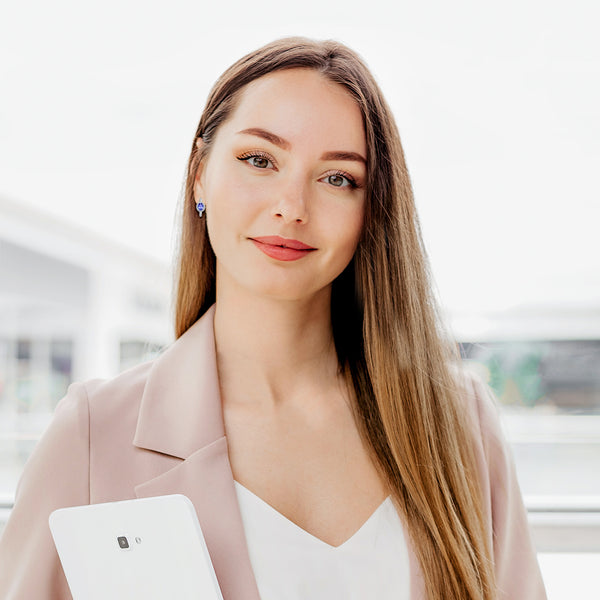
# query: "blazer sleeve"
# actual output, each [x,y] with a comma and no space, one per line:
[517,571]
[55,476]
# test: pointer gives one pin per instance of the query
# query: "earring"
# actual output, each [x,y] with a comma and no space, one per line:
[200,207]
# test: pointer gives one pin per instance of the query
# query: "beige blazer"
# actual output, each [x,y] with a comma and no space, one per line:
[158,429]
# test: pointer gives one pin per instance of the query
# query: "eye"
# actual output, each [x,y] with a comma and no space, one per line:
[337,180]
[340,179]
[258,160]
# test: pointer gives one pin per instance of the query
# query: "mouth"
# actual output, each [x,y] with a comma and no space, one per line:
[275,240]
[282,249]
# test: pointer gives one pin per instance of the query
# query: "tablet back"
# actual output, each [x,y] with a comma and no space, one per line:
[144,549]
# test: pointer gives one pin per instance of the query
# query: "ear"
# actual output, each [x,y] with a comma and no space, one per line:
[198,187]
[199,179]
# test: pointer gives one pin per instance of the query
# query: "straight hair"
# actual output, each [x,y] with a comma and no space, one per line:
[391,347]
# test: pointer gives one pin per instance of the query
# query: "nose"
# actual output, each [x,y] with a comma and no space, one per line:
[291,205]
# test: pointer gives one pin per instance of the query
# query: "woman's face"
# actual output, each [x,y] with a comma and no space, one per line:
[284,186]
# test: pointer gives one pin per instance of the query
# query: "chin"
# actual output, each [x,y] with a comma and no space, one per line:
[273,282]
[284,289]
[283,293]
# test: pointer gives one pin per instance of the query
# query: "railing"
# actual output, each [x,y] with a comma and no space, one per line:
[6,504]
[562,524]
[565,523]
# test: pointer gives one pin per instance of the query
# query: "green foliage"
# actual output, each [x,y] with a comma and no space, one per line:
[514,371]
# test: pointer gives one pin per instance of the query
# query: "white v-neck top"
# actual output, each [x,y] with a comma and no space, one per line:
[291,564]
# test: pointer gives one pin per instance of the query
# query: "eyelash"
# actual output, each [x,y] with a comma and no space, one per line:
[353,184]
[255,154]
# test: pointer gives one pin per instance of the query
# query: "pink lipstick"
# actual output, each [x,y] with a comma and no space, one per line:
[282,248]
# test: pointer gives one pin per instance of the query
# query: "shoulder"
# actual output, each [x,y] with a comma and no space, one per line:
[98,400]
[120,396]
[109,394]
[87,407]
[103,415]
[493,458]
[90,410]
[482,413]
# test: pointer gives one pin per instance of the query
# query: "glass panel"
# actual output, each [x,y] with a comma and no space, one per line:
[37,375]
[560,376]
[549,392]
[61,366]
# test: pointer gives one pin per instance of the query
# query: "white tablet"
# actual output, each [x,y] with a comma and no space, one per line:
[144,549]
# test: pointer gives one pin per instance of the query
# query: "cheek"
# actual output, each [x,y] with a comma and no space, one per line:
[233,193]
[350,228]
[233,212]
[227,202]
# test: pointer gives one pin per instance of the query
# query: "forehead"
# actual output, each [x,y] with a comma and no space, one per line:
[303,107]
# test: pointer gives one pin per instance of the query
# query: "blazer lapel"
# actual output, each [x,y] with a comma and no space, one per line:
[181,416]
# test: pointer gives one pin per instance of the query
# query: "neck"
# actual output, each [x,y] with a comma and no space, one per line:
[273,352]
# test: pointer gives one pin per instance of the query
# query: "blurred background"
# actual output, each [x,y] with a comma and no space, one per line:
[497,106]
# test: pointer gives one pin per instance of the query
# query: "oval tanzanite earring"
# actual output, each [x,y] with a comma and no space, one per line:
[200,207]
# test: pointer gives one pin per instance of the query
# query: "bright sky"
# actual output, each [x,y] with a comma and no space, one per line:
[497,106]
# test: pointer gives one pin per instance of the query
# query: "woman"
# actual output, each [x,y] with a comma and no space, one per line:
[310,388]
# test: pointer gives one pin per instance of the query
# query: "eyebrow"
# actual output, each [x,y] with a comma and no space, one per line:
[279,141]
[267,135]
[354,156]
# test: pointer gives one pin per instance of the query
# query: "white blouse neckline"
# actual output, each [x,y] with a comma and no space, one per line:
[357,534]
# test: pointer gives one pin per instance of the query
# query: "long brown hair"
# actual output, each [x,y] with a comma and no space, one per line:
[386,329]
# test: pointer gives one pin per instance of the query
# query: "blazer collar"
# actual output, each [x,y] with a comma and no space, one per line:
[180,410]
[181,416]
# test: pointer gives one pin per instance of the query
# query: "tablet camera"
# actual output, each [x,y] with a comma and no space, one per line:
[123,543]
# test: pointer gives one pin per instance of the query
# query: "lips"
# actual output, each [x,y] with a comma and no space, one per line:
[283,249]
[275,240]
